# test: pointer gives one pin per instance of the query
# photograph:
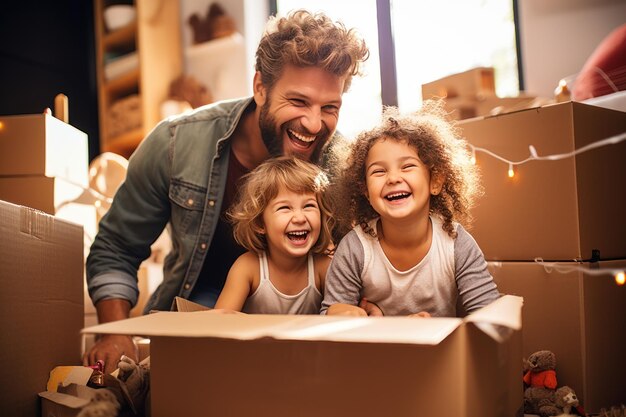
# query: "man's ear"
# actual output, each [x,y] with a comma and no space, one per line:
[259,90]
[436,182]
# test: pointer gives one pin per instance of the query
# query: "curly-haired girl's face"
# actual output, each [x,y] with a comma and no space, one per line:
[398,183]
[292,223]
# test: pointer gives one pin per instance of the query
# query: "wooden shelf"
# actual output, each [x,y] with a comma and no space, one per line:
[123,144]
[124,83]
[121,37]
[156,39]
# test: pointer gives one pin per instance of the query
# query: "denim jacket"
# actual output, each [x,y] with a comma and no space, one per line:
[177,175]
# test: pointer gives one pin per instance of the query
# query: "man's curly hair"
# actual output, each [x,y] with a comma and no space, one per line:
[304,39]
[438,147]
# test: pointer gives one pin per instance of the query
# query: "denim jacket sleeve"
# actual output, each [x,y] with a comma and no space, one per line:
[138,215]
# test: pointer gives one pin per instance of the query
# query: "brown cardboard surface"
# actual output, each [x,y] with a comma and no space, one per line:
[580,318]
[40,144]
[472,83]
[557,210]
[318,365]
[181,304]
[39,192]
[41,303]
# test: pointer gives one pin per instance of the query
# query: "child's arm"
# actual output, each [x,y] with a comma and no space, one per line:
[238,283]
[343,280]
[475,283]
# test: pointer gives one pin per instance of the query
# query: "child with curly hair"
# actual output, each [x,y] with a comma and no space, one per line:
[282,217]
[408,184]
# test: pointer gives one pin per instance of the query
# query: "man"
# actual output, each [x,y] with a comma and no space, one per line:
[185,172]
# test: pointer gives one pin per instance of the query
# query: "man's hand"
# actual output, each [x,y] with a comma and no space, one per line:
[370,308]
[110,348]
[345,310]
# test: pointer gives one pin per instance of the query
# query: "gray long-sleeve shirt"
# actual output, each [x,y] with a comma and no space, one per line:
[453,273]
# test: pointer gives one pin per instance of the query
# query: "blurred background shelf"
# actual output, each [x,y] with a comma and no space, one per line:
[153,40]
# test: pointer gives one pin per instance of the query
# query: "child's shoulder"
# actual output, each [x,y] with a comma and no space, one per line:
[321,258]
[248,258]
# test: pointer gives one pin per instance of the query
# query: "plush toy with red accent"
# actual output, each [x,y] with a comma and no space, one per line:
[541,370]
[540,378]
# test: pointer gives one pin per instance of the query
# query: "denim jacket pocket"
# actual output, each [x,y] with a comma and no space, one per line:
[187,206]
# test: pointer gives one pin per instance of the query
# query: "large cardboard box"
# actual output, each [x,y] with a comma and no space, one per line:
[558,210]
[65,200]
[236,365]
[476,82]
[41,303]
[40,144]
[580,317]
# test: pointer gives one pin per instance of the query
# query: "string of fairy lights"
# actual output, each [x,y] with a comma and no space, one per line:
[612,140]
[618,274]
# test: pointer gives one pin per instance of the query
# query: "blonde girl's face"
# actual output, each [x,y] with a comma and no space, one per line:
[398,182]
[292,223]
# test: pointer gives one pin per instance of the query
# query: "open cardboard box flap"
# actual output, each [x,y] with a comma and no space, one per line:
[505,311]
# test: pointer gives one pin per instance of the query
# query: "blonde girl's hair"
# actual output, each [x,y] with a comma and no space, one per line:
[438,146]
[261,185]
[307,39]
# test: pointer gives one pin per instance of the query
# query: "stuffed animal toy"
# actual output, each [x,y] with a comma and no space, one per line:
[565,398]
[217,24]
[541,372]
[541,381]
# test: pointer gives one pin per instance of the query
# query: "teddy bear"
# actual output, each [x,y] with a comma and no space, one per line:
[217,24]
[540,378]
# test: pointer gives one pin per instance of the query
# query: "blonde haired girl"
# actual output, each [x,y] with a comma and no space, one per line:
[282,217]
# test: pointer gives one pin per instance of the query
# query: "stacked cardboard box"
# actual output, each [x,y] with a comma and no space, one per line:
[41,303]
[565,210]
[472,93]
[44,165]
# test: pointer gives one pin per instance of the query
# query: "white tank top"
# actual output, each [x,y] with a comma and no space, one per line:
[268,300]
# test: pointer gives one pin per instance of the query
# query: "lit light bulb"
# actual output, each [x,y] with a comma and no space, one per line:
[620,278]
[1,125]
[473,159]
[511,172]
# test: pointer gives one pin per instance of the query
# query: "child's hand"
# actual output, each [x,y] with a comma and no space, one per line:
[420,314]
[346,310]
[370,308]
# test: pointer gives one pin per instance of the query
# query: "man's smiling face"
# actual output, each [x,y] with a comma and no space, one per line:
[300,112]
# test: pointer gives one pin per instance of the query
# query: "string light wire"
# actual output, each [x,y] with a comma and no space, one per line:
[612,140]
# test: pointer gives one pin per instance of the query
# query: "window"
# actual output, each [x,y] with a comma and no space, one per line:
[430,40]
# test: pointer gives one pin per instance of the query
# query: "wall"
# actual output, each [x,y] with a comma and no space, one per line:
[557,37]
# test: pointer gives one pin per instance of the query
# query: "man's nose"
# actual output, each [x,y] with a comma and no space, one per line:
[312,120]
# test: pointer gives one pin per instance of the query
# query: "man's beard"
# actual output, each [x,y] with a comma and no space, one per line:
[272,135]
[269,132]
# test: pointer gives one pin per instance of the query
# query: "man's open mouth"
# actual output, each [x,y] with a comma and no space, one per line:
[301,140]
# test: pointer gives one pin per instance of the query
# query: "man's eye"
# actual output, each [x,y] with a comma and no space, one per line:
[297,102]
[331,109]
